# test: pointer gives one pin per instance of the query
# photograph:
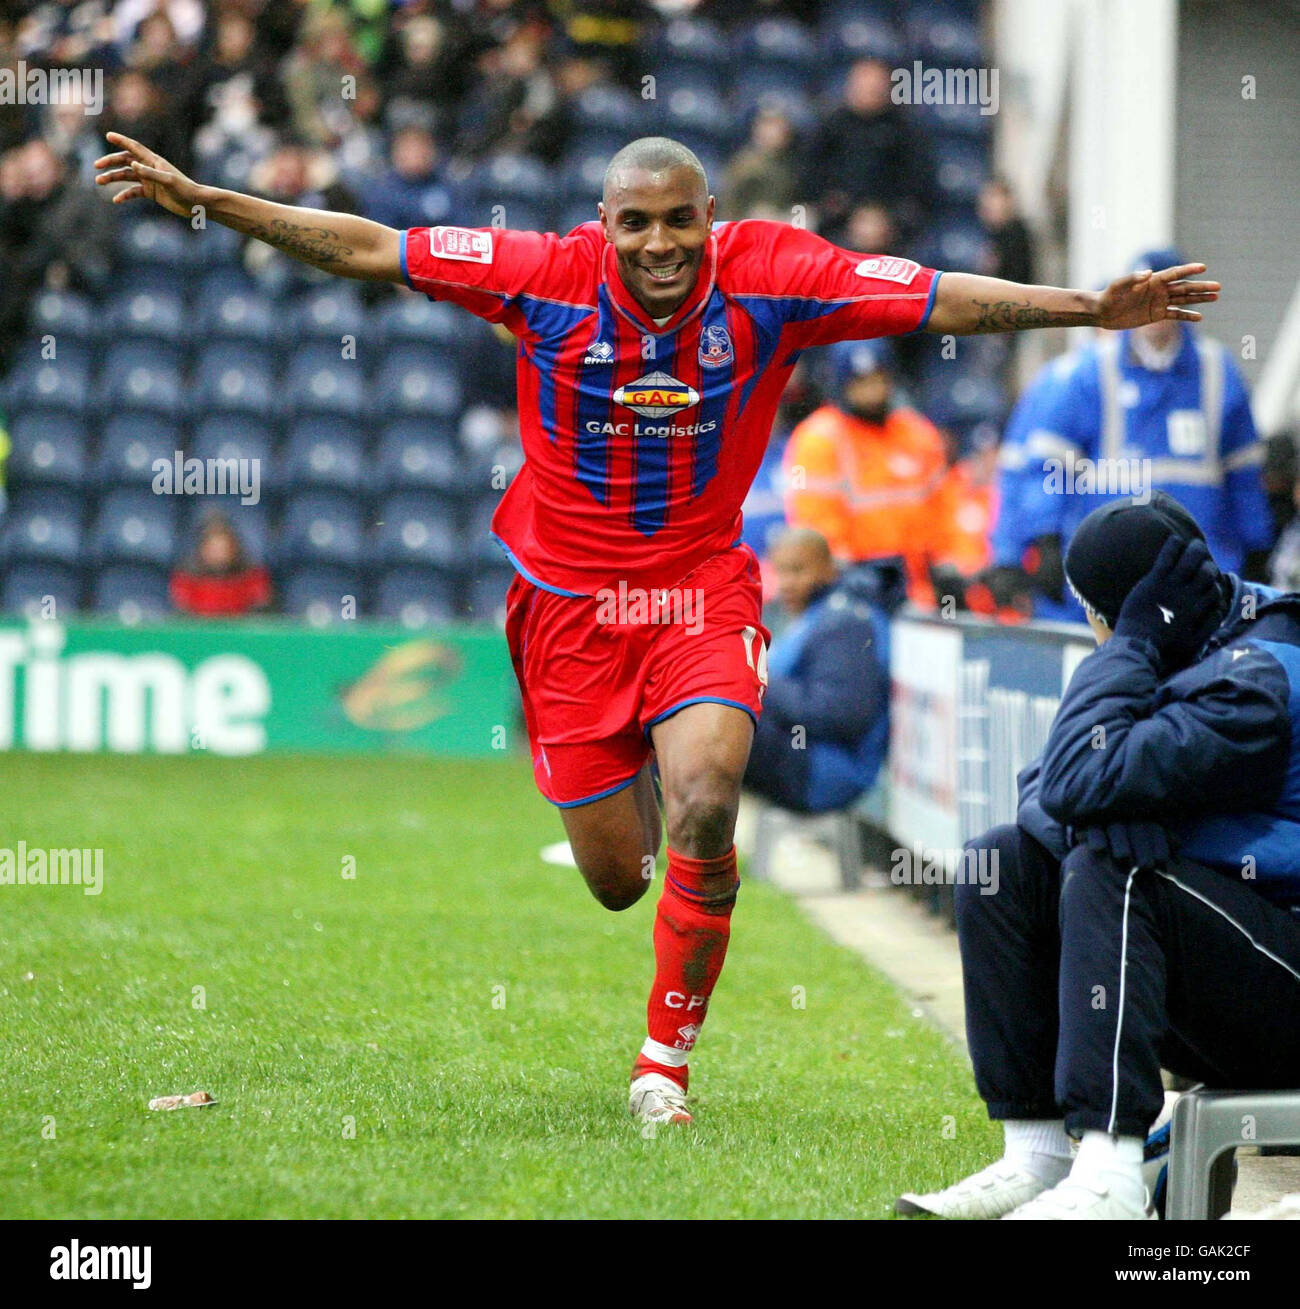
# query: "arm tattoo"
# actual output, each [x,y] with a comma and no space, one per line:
[314,245]
[1012,315]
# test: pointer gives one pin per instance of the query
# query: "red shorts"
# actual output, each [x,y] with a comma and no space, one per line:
[597,672]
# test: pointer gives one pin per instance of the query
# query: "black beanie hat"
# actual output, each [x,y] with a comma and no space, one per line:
[1116,545]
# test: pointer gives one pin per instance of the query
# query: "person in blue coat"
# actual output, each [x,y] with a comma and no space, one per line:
[824,731]
[1155,407]
[1147,911]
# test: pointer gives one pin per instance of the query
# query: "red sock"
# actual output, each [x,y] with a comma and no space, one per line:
[692,927]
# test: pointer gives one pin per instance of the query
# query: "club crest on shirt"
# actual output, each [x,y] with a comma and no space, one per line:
[715,347]
[656,395]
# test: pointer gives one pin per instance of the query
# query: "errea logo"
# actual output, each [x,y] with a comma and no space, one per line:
[600,352]
[888,268]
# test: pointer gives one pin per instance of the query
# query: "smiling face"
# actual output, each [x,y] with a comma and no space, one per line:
[658,222]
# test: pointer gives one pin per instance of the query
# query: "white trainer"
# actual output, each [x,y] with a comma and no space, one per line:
[990,1193]
[654,1098]
[1073,1199]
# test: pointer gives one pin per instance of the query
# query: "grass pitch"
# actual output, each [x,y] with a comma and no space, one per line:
[446,1034]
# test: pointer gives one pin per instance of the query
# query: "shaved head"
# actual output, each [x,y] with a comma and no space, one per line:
[801,560]
[652,154]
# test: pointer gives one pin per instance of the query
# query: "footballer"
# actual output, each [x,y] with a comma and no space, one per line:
[654,345]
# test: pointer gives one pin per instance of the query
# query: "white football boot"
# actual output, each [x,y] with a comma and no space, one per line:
[654,1098]
[1078,1199]
[990,1193]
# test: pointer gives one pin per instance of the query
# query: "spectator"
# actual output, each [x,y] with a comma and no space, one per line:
[170,67]
[427,68]
[871,229]
[764,171]
[234,87]
[967,507]
[825,725]
[315,75]
[1011,253]
[1156,407]
[868,150]
[219,579]
[412,193]
[866,474]
[54,231]
[1284,565]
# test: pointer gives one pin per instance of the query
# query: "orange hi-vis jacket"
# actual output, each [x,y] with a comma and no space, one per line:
[967,512]
[872,490]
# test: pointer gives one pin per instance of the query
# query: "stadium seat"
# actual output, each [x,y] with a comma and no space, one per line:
[416,597]
[131,593]
[321,527]
[239,314]
[582,175]
[849,34]
[226,279]
[696,109]
[60,384]
[154,387]
[410,385]
[43,527]
[150,315]
[944,39]
[325,453]
[125,351]
[234,378]
[507,177]
[694,42]
[316,594]
[752,95]
[779,43]
[129,446]
[415,529]
[48,449]
[417,320]
[134,527]
[242,437]
[412,456]
[66,315]
[610,108]
[478,543]
[161,242]
[28,588]
[320,381]
[328,315]
[486,595]
[956,247]
[963,400]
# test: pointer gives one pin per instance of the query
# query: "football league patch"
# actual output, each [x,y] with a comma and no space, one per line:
[888,268]
[461,243]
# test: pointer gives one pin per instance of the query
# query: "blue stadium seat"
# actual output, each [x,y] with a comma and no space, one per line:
[239,314]
[230,378]
[958,248]
[131,593]
[151,315]
[866,33]
[325,453]
[233,436]
[417,320]
[953,121]
[751,96]
[134,527]
[129,446]
[322,382]
[692,41]
[413,456]
[507,177]
[316,594]
[582,175]
[486,598]
[28,587]
[415,529]
[780,43]
[59,384]
[321,527]
[49,449]
[696,109]
[43,526]
[226,279]
[328,315]
[683,74]
[154,387]
[416,597]
[127,352]
[411,385]
[479,544]
[944,39]
[161,242]
[963,399]
[66,315]
[610,108]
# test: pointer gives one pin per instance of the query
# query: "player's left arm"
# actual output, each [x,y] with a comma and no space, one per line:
[966,304]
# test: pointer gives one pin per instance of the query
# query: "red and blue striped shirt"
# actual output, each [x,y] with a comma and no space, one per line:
[640,439]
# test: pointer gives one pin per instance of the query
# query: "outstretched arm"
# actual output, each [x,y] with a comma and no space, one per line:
[336,243]
[966,303]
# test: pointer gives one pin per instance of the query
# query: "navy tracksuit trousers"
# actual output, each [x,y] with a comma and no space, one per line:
[1084,978]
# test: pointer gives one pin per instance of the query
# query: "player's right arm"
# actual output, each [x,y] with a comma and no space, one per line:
[336,243]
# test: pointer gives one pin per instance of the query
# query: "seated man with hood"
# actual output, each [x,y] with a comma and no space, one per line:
[1146,912]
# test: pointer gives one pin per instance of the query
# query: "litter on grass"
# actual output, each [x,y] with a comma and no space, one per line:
[196,1101]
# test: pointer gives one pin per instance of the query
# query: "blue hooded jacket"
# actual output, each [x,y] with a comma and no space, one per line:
[1212,751]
